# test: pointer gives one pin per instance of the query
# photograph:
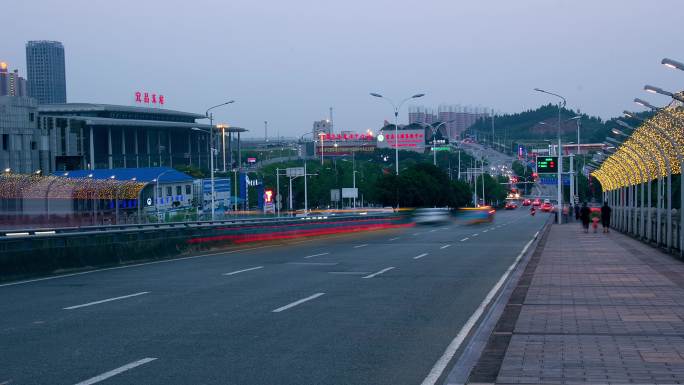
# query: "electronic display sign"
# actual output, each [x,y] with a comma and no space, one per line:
[547,164]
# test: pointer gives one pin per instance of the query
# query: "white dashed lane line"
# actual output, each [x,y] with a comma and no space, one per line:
[316,255]
[420,256]
[445,246]
[379,272]
[464,239]
[116,371]
[105,300]
[394,239]
[360,246]
[298,302]
[243,270]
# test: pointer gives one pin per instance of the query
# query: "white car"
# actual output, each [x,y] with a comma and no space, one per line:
[431,215]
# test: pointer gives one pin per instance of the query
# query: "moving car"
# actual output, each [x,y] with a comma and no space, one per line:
[536,202]
[431,215]
[511,206]
[546,207]
[527,202]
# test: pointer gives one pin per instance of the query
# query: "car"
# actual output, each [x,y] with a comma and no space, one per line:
[536,202]
[511,206]
[546,207]
[527,202]
[428,216]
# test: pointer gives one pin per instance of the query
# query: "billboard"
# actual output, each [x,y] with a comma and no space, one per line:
[350,192]
[547,164]
[411,140]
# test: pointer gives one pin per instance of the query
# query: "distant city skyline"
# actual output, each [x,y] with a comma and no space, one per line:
[288,63]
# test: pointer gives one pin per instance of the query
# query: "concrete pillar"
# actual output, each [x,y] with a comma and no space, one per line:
[92,149]
[149,154]
[137,153]
[168,135]
[123,145]
[190,148]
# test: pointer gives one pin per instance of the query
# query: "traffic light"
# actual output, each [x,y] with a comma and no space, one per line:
[268,196]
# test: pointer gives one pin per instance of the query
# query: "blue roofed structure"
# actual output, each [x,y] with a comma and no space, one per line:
[144,175]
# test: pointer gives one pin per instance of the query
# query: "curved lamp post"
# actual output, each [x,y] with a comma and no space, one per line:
[396,108]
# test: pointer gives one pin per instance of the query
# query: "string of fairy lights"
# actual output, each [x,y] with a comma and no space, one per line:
[641,151]
[22,186]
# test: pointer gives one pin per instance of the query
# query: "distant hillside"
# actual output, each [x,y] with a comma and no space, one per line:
[526,126]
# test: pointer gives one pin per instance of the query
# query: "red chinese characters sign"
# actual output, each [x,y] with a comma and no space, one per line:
[348,136]
[144,97]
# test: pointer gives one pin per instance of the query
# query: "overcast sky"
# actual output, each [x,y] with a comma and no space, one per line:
[289,61]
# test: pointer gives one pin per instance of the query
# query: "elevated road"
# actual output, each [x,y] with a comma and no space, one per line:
[372,308]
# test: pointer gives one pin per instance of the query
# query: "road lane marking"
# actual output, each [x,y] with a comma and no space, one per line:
[313,263]
[243,270]
[394,239]
[116,371]
[298,302]
[350,272]
[135,265]
[485,230]
[432,231]
[464,239]
[316,255]
[450,351]
[379,272]
[420,256]
[359,246]
[445,246]
[414,234]
[105,300]
[475,235]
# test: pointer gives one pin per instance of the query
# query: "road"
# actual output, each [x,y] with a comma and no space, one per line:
[373,308]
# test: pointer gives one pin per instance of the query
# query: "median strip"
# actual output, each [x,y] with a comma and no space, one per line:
[105,300]
[379,272]
[116,371]
[295,303]
[243,270]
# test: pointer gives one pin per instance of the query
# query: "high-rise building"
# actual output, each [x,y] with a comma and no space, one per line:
[45,70]
[11,84]
[457,118]
[322,127]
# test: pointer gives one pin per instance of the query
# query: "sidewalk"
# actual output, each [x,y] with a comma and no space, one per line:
[590,309]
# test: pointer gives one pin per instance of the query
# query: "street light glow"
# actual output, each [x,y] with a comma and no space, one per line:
[672,64]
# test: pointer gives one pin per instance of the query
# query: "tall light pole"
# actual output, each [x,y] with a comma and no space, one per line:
[434,130]
[561,105]
[396,123]
[211,148]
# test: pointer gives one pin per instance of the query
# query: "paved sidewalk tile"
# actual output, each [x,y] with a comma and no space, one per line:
[599,309]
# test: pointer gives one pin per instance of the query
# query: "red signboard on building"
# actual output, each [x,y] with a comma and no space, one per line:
[149,98]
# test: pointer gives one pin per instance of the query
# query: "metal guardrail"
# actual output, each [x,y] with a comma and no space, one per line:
[48,232]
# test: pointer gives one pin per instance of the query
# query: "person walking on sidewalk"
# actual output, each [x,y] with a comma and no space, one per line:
[605,217]
[585,212]
[577,212]
[566,211]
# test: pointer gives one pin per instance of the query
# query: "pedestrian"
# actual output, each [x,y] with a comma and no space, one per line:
[566,211]
[605,216]
[571,211]
[584,216]
[577,212]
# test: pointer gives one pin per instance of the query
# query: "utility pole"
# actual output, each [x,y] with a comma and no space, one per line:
[266,130]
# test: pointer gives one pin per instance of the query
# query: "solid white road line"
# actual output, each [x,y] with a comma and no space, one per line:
[295,303]
[116,371]
[243,270]
[359,246]
[448,354]
[316,255]
[313,263]
[379,272]
[105,300]
[134,265]
[464,239]
[394,239]
[420,256]
[445,246]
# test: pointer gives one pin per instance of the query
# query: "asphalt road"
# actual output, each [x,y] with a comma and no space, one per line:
[371,308]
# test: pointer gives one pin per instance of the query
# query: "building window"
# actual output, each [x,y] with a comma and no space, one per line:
[169,191]
[34,145]
[188,189]
[179,190]
[31,117]
[5,142]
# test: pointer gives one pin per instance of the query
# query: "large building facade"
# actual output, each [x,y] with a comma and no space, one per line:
[46,71]
[457,118]
[19,138]
[11,84]
[96,136]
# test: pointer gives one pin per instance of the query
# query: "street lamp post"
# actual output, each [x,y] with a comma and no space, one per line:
[212,148]
[396,123]
[561,105]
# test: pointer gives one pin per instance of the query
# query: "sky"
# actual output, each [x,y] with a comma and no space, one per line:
[287,62]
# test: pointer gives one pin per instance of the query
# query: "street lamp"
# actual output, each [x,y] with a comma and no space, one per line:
[672,64]
[211,147]
[396,122]
[658,90]
[434,130]
[561,105]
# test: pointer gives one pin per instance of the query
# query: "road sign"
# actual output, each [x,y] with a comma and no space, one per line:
[335,195]
[251,160]
[294,171]
[547,164]
[350,192]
